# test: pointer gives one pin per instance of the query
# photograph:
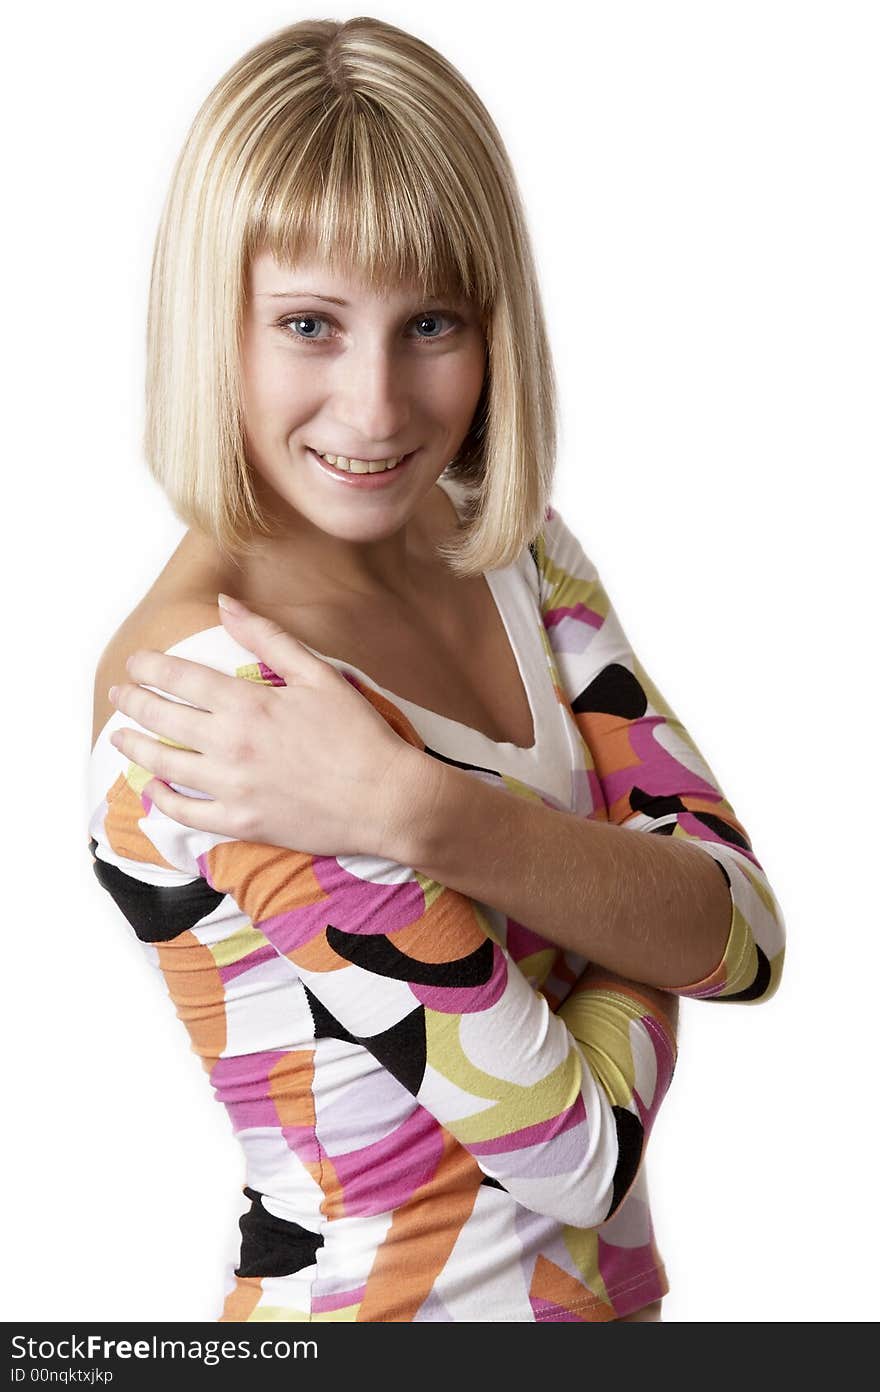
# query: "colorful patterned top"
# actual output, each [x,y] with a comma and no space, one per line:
[444,1116]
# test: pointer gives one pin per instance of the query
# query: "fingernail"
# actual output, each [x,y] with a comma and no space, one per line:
[232,606]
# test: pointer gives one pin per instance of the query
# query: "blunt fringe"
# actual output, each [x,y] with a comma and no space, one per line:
[360,144]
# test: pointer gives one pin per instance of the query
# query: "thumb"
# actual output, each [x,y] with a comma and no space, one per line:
[277,649]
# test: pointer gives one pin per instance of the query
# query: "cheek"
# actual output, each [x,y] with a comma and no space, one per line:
[271,394]
[470,385]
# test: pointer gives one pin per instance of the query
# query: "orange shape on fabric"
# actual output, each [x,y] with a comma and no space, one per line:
[390,713]
[719,808]
[317,956]
[265,880]
[445,931]
[421,1237]
[558,1287]
[290,1086]
[291,1082]
[242,1300]
[609,734]
[196,988]
[124,811]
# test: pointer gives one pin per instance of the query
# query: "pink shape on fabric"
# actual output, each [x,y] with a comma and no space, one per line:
[549,1311]
[338,1300]
[303,1142]
[533,1135]
[629,1270]
[522,942]
[386,1174]
[363,906]
[253,959]
[269,676]
[465,1000]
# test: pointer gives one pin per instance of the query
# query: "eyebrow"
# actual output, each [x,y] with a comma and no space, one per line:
[331,299]
[306,294]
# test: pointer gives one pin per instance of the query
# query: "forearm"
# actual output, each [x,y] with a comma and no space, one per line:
[651,908]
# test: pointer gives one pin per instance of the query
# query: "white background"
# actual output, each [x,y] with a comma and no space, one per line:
[701,185]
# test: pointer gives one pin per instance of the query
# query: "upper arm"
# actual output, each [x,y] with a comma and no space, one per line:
[651,774]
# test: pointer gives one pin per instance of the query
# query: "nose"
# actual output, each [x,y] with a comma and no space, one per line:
[373,397]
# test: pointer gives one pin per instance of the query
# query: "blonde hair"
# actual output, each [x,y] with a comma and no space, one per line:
[361,144]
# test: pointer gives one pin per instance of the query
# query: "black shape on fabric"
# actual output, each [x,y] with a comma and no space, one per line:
[157,913]
[326,1025]
[374,952]
[651,806]
[757,987]
[615,691]
[630,1143]
[723,829]
[494,1183]
[402,1049]
[273,1246]
[460,763]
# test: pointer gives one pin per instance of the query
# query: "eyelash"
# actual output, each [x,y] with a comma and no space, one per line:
[290,319]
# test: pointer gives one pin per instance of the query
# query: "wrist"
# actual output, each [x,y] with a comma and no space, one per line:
[411,795]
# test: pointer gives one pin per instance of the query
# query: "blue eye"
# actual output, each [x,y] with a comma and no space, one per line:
[430,318]
[299,319]
[294,322]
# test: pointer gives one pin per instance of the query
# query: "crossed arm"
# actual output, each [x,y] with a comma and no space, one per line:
[556,1105]
[686,909]
[652,908]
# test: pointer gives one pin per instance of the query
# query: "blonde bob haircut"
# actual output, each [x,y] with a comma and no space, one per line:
[360,145]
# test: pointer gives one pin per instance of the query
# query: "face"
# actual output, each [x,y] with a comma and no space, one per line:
[328,367]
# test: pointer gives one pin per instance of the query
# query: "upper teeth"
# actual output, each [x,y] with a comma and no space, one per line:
[361,466]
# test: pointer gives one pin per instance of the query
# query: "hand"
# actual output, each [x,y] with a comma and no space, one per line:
[310,765]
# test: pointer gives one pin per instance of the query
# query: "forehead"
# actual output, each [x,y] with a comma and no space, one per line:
[271,279]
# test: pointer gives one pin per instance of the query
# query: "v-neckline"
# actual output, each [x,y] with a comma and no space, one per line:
[496,580]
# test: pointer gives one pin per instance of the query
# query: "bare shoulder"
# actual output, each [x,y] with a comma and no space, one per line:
[183,601]
[157,626]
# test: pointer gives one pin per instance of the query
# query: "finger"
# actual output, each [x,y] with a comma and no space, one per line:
[178,676]
[278,650]
[180,766]
[202,814]
[183,724]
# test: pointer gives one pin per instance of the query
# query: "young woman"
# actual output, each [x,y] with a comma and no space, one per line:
[376,849]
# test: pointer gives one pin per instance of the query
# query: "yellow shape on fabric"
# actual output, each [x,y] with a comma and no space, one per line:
[582,1245]
[761,888]
[516,1106]
[283,1314]
[537,966]
[740,960]
[520,789]
[431,889]
[238,945]
[603,1018]
[137,778]
[658,705]
[251,672]
[277,1314]
[567,591]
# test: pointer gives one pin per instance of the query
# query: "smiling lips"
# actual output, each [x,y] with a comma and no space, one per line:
[361,466]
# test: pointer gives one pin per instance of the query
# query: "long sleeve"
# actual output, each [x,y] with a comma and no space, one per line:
[556,1108]
[645,771]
